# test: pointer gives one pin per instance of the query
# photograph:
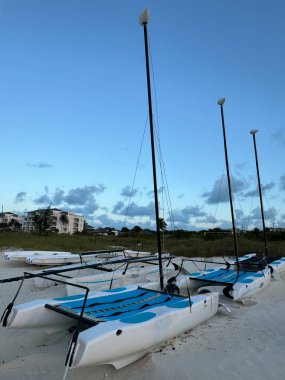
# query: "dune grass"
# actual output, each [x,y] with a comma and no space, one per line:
[191,246]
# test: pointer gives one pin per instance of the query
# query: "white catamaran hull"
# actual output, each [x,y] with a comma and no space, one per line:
[277,266]
[251,285]
[22,255]
[242,289]
[191,285]
[58,259]
[127,337]
[110,263]
[62,259]
[118,278]
[33,314]
[124,341]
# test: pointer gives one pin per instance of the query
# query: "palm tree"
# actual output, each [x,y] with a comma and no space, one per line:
[43,220]
[63,219]
[162,224]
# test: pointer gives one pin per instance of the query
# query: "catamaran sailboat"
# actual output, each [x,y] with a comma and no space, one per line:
[118,326]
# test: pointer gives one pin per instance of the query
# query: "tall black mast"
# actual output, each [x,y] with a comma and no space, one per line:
[144,17]
[253,132]
[221,103]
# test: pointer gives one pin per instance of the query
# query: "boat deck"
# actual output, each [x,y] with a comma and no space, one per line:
[117,306]
[224,276]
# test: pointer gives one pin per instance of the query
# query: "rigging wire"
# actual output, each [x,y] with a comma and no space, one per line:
[250,209]
[161,161]
[236,193]
[159,150]
[269,208]
[164,177]
[219,194]
[136,169]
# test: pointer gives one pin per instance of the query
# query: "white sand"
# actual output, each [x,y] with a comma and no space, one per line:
[249,343]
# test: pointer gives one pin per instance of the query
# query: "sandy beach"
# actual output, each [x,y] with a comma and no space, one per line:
[248,343]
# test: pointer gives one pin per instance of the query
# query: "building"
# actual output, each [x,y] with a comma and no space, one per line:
[105,231]
[7,217]
[10,221]
[63,222]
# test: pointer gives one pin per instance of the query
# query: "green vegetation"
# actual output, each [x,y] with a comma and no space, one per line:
[180,243]
[43,221]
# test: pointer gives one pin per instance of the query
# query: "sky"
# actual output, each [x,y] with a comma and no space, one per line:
[73,110]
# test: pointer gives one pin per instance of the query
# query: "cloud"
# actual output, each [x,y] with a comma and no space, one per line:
[281,222]
[81,195]
[208,219]
[160,190]
[279,136]
[42,200]
[255,193]
[127,192]
[106,221]
[118,207]
[183,215]
[20,197]
[220,192]
[40,165]
[282,182]
[58,197]
[239,214]
[87,210]
[269,215]
[136,210]
[79,200]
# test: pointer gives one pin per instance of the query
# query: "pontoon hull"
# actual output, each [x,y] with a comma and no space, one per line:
[124,341]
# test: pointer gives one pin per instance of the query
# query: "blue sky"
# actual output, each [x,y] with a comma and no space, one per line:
[73,108]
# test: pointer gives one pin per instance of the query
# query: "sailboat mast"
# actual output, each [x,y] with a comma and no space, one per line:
[253,133]
[144,17]
[221,103]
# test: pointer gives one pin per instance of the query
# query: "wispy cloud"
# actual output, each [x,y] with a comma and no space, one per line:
[40,165]
[270,214]
[282,182]
[279,136]
[220,193]
[254,193]
[20,197]
[127,191]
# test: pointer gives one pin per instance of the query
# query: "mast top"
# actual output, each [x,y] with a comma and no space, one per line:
[144,17]
[221,101]
[253,131]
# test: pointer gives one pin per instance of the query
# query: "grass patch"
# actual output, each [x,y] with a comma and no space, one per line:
[191,246]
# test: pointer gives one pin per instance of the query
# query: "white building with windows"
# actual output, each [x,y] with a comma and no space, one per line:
[63,222]
[7,217]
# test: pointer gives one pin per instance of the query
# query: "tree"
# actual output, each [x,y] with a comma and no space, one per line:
[43,221]
[63,219]
[162,224]
[136,229]
[125,229]
[14,224]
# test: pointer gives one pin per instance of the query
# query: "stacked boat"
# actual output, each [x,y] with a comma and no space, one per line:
[27,256]
[48,258]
